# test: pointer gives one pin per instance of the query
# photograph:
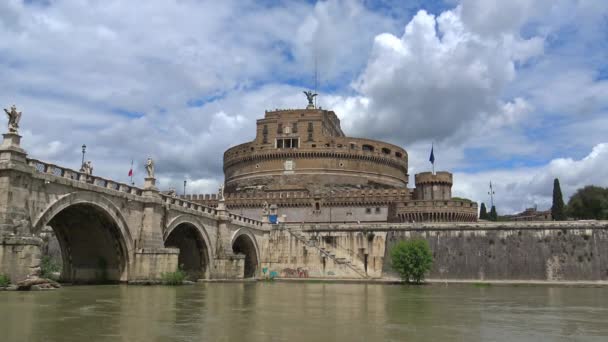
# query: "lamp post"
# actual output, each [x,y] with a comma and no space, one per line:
[184,188]
[84,150]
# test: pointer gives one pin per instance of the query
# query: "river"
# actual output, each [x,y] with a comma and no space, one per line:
[305,312]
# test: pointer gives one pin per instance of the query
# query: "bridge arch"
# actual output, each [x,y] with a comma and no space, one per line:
[244,242]
[189,235]
[94,237]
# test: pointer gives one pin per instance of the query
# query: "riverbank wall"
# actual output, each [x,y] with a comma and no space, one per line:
[511,251]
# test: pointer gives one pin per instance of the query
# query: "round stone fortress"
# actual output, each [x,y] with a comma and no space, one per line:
[305,149]
[303,166]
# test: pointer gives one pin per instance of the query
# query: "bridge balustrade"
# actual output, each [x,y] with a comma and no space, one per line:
[62,172]
[58,171]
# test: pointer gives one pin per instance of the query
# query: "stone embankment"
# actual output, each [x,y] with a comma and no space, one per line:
[569,252]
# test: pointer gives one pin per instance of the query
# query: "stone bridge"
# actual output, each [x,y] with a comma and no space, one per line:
[114,232]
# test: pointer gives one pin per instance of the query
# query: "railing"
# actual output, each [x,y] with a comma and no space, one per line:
[181,202]
[63,172]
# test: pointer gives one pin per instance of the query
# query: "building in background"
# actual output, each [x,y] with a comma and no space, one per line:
[302,162]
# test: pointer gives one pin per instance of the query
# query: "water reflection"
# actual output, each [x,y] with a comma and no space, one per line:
[305,312]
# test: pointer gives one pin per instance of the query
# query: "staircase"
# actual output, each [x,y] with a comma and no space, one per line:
[329,254]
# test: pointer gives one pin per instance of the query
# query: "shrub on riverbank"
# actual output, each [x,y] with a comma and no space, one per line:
[4,280]
[412,259]
[174,278]
[49,269]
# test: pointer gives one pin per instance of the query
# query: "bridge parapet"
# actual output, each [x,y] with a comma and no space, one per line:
[63,172]
[183,202]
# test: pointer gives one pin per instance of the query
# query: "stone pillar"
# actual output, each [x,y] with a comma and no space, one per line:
[151,258]
[227,265]
[10,150]
[19,250]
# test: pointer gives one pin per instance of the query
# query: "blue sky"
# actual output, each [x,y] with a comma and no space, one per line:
[509,91]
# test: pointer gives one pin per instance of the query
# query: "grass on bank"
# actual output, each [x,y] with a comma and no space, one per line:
[4,280]
[174,278]
[49,268]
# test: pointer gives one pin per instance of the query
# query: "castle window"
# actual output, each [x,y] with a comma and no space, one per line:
[313,145]
[398,155]
[294,127]
[287,143]
[353,146]
[386,150]
[317,206]
[309,137]
[265,130]
[368,210]
[367,148]
[377,210]
[280,128]
[310,127]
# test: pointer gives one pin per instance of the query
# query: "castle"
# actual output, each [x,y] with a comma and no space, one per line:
[301,167]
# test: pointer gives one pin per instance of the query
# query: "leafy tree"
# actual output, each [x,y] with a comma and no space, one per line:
[412,259]
[590,202]
[483,212]
[493,214]
[558,211]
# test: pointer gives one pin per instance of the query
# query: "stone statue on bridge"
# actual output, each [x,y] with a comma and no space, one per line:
[150,167]
[87,168]
[265,210]
[13,119]
[220,193]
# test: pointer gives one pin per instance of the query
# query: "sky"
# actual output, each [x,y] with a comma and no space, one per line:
[512,92]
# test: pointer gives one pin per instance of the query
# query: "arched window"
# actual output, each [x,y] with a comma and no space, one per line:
[386,150]
[367,148]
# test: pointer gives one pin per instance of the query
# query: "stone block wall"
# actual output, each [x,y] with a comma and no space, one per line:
[551,252]
[150,263]
[19,256]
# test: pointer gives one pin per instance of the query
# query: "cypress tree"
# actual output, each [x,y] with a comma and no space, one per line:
[557,209]
[483,212]
[493,214]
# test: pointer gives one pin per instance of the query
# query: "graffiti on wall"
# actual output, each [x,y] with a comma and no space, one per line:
[294,273]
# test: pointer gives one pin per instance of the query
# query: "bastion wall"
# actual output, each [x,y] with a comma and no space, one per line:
[540,251]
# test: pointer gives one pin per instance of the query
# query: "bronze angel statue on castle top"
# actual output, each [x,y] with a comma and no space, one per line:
[13,119]
[311,97]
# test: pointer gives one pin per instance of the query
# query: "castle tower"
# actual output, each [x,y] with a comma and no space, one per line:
[431,186]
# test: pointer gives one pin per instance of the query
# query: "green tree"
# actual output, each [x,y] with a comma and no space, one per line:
[558,211]
[590,202]
[493,214]
[412,259]
[483,212]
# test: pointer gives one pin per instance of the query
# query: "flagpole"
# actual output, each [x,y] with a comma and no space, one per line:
[132,172]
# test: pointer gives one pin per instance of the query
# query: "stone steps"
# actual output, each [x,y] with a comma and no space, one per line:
[340,261]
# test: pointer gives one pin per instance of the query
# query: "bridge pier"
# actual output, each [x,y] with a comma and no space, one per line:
[227,265]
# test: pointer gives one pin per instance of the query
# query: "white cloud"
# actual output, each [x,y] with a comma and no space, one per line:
[119,76]
[520,188]
[436,79]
